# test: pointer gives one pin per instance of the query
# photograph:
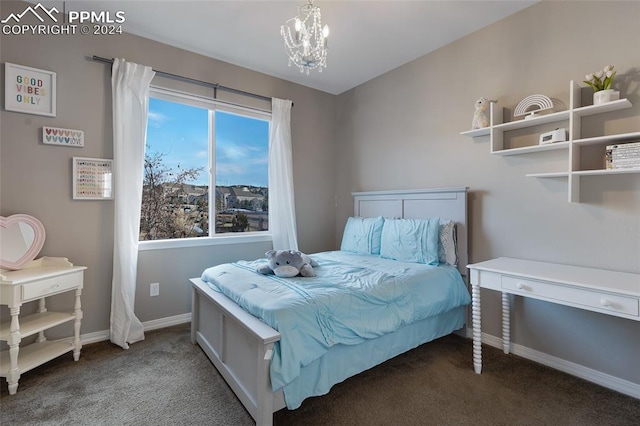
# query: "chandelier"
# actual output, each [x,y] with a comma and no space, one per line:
[305,39]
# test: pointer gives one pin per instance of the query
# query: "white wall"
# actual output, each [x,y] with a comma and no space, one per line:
[402,130]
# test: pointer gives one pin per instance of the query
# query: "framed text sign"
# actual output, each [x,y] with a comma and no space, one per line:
[29,90]
[92,179]
[64,137]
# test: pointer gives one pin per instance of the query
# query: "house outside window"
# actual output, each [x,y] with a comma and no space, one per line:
[200,150]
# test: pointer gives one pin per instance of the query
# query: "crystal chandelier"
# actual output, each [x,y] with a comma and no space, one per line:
[305,39]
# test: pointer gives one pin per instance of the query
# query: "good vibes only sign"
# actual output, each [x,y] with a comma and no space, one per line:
[30,90]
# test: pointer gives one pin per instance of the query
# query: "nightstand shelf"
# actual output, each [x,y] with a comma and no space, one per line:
[36,323]
[34,355]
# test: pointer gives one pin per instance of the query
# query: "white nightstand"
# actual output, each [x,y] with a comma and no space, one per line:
[40,279]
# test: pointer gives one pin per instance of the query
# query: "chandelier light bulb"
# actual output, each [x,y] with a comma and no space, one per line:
[325,36]
[305,38]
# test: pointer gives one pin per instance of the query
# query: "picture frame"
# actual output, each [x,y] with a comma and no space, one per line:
[62,137]
[92,178]
[29,90]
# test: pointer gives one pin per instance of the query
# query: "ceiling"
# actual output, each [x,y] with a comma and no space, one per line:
[368,38]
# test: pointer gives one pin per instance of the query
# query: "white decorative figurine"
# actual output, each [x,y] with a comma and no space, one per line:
[480,119]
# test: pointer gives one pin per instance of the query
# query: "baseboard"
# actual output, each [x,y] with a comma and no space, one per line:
[620,385]
[166,322]
[98,336]
[101,336]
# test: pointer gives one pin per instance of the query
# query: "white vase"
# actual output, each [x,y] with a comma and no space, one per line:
[604,96]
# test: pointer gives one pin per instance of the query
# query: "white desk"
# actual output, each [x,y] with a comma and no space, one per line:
[607,292]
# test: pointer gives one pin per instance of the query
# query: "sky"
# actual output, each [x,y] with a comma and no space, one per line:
[180,133]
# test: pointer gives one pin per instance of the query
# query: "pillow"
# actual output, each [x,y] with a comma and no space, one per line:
[448,244]
[362,235]
[411,240]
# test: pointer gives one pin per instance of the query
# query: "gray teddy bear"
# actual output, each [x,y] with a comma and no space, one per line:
[287,264]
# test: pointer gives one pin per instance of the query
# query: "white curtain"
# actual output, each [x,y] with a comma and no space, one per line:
[282,211]
[130,91]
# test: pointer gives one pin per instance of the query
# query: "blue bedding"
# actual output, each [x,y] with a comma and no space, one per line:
[353,297]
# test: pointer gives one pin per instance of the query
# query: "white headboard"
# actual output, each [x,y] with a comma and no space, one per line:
[445,203]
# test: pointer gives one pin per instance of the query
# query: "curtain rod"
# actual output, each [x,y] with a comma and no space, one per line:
[215,86]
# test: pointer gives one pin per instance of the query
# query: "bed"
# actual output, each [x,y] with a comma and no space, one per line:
[262,365]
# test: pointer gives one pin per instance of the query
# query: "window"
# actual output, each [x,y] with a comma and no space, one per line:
[200,150]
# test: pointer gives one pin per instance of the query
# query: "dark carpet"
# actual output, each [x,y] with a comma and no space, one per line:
[165,380]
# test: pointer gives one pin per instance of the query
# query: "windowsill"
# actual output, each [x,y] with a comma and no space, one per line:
[248,237]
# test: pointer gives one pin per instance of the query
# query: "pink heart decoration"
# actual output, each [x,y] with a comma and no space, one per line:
[22,239]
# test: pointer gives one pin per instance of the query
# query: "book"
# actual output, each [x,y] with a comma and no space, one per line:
[627,145]
[622,155]
[622,164]
[627,166]
[625,160]
[624,151]
[616,158]
[631,154]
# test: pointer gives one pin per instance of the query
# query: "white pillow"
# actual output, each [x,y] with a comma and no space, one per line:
[448,244]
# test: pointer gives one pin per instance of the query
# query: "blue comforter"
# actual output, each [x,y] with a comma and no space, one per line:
[352,298]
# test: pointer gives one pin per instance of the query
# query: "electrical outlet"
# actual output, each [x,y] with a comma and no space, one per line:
[154,289]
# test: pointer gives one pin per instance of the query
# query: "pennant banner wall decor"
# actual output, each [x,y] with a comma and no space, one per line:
[64,137]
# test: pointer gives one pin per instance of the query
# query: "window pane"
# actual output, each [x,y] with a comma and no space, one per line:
[175,195]
[181,133]
[241,168]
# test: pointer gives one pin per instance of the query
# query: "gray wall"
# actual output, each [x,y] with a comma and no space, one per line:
[401,130]
[36,179]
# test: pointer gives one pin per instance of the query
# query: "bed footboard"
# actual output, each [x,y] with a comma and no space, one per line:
[240,346]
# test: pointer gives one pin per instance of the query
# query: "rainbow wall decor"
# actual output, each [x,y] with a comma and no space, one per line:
[64,137]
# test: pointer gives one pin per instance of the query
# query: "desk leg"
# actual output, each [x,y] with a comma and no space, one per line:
[477,328]
[506,323]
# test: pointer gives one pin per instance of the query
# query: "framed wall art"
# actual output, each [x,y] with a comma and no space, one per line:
[29,90]
[64,137]
[92,179]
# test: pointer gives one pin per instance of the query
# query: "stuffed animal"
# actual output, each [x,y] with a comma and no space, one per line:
[287,264]
[480,119]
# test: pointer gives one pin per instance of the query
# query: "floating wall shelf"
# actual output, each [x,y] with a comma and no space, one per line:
[574,116]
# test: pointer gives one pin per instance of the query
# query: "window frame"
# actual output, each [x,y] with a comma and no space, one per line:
[212,105]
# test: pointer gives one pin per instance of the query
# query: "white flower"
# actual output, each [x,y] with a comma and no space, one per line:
[601,80]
